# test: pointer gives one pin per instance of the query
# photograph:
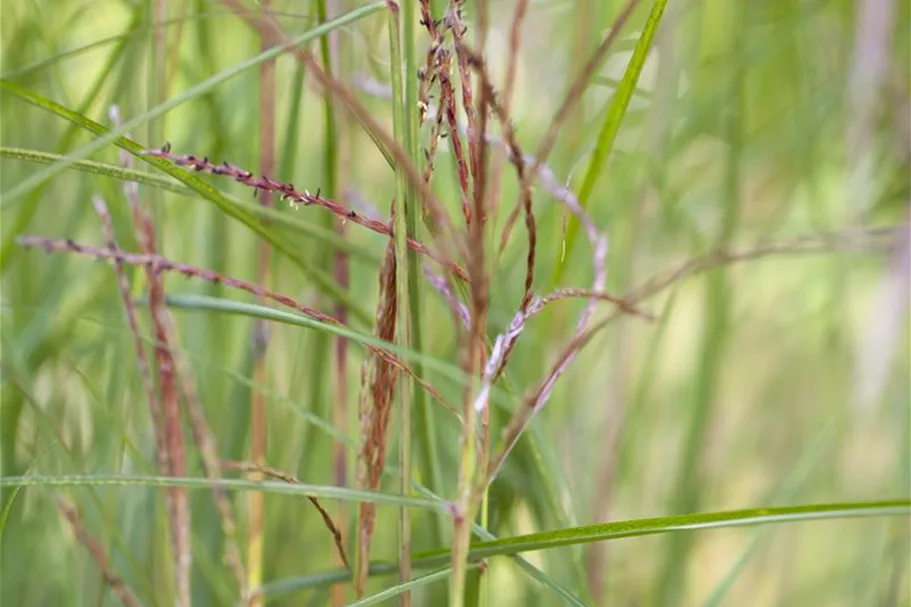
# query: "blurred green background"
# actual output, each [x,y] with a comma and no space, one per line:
[776,381]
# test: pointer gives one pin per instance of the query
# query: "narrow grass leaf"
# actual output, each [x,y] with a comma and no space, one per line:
[273,487]
[399,589]
[611,125]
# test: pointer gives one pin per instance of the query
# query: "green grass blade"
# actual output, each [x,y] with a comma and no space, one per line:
[718,313]
[624,529]
[273,487]
[213,304]
[611,125]
[400,589]
[533,572]
[687,522]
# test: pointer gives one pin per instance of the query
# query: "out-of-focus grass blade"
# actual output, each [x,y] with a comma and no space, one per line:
[35,66]
[28,185]
[611,125]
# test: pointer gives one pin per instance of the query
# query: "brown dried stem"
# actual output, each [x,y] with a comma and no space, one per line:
[123,284]
[474,348]
[170,404]
[96,550]
[162,265]
[518,158]
[264,470]
[198,424]
[448,108]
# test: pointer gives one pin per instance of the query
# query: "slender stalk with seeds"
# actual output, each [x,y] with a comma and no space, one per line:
[298,198]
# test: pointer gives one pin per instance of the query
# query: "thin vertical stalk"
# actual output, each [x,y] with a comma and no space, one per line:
[260,337]
[402,133]
[421,406]
[473,351]
[482,191]
[336,264]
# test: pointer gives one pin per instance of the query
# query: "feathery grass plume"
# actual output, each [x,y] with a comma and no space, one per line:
[297,198]
[459,29]
[448,107]
[476,61]
[378,380]
[98,554]
[544,174]
[441,283]
[428,74]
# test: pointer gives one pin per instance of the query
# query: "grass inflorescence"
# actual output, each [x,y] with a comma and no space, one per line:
[725,351]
